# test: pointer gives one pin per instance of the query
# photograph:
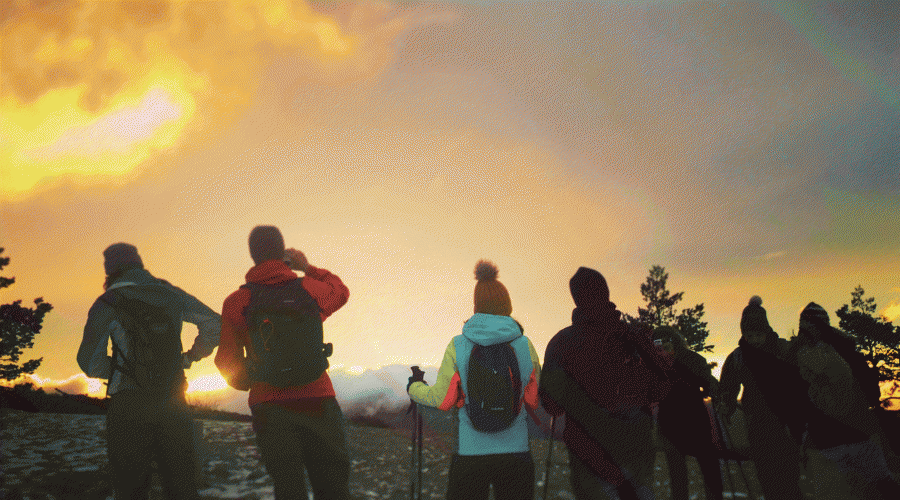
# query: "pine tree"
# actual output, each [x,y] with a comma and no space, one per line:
[876,338]
[661,311]
[18,326]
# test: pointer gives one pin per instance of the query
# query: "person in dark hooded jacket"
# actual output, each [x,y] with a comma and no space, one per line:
[772,392]
[683,419]
[603,374]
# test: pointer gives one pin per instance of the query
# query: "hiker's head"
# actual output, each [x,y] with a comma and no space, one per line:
[672,341]
[589,289]
[121,257]
[266,243]
[814,322]
[491,296]
[754,323]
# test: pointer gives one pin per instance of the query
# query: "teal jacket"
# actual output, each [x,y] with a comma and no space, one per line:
[103,324]
[448,392]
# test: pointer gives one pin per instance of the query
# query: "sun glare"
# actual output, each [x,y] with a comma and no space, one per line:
[206,383]
[892,312]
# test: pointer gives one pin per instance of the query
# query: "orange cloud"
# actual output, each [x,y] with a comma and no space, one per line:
[95,88]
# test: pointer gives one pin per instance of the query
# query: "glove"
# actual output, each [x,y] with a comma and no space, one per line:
[417,376]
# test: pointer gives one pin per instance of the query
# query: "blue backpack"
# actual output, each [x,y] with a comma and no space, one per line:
[493,388]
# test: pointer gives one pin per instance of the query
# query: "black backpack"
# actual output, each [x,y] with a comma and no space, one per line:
[153,360]
[285,330]
[493,388]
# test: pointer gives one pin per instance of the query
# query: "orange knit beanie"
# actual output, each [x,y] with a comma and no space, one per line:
[491,296]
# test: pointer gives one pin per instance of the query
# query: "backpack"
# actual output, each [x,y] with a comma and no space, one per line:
[493,388]
[615,368]
[286,338]
[153,360]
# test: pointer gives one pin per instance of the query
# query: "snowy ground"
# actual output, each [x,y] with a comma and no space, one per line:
[52,456]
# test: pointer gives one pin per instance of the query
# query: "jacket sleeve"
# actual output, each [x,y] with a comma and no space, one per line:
[530,396]
[230,358]
[446,391]
[208,323]
[729,381]
[553,380]
[92,354]
[328,290]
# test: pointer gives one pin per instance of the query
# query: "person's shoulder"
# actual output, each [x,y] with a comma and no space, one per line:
[238,296]
[735,356]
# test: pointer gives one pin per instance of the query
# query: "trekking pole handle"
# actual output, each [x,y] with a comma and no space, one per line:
[417,372]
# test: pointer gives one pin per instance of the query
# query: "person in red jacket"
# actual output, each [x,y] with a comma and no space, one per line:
[297,426]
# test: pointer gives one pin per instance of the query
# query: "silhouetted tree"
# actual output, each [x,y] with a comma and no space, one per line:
[661,311]
[876,338]
[18,326]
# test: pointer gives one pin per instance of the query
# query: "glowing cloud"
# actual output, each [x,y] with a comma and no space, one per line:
[97,87]
[76,384]
[115,132]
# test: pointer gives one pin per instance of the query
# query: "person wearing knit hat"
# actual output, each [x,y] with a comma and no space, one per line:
[847,457]
[754,323]
[499,457]
[145,423]
[490,296]
[602,374]
[771,387]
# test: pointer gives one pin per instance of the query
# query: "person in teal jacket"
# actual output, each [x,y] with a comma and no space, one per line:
[503,458]
[143,425]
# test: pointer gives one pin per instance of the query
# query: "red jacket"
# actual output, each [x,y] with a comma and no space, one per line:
[330,293]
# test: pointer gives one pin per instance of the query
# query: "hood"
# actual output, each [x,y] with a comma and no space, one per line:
[140,284]
[489,329]
[270,272]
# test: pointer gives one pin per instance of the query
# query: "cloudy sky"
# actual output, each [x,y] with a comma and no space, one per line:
[749,148]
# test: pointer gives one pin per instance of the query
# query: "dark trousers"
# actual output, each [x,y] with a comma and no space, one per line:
[140,431]
[512,476]
[776,458]
[678,474]
[291,440]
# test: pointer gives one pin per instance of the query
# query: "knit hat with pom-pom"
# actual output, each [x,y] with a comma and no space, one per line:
[491,296]
[754,317]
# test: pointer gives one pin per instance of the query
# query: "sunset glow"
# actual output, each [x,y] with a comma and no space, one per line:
[95,97]
[397,143]
[207,384]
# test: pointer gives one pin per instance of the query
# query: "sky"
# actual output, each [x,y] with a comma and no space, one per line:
[750,148]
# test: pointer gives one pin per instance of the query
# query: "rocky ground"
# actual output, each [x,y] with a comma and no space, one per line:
[58,456]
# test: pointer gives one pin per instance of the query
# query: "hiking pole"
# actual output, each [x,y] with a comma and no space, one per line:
[415,478]
[549,455]
[420,446]
[414,409]
[724,463]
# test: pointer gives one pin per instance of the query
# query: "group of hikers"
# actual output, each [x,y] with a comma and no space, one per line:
[808,402]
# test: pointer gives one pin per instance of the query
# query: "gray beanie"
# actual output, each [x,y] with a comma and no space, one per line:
[119,257]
